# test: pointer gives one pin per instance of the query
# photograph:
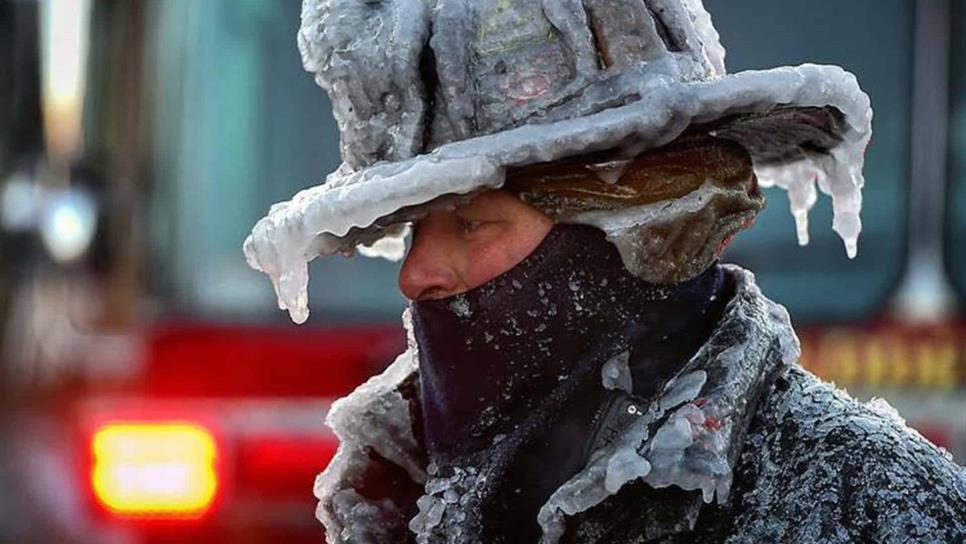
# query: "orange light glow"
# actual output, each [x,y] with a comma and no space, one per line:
[154,469]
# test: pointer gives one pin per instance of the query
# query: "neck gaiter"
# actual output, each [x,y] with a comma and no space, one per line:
[510,372]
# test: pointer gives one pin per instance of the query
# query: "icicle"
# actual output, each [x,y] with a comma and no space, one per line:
[799,181]
[609,172]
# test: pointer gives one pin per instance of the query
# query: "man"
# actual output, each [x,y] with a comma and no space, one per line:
[580,368]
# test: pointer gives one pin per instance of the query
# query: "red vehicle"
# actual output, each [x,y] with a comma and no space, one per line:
[220,435]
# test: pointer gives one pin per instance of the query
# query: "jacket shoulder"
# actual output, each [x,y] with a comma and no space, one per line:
[823,467]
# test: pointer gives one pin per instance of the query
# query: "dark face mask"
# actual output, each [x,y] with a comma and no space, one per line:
[491,355]
[510,372]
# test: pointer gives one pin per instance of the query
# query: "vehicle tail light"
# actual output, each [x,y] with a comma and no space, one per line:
[154,469]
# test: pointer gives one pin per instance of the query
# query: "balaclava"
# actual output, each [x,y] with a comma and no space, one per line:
[511,372]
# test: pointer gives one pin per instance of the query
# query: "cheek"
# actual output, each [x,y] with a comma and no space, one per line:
[496,255]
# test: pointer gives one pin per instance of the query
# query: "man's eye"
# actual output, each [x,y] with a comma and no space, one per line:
[469,225]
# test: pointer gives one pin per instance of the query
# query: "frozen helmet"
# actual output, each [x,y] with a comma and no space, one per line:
[438,99]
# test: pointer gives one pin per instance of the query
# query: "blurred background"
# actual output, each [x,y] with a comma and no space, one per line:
[151,392]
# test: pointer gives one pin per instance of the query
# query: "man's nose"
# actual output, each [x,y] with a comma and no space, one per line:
[428,271]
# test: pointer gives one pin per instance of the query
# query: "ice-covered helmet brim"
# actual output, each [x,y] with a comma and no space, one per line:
[802,125]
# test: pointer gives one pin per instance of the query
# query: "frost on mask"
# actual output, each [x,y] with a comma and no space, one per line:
[616,372]
[361,207]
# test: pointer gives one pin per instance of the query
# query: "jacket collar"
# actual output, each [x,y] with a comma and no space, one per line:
[689,437]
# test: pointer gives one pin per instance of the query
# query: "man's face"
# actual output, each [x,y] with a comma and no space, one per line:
[455,251]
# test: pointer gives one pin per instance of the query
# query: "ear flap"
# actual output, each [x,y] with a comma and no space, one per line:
[670,211]
[365,54]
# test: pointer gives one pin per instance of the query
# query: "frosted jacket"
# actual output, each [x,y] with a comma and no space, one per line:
[743,445]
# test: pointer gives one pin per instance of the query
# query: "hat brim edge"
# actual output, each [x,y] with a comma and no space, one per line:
[354,208]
